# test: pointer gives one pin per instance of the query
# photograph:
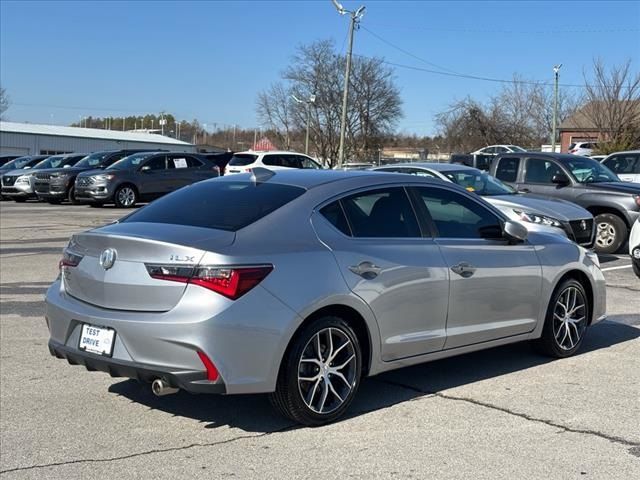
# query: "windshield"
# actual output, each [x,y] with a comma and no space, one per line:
[479,182]
[69,161]
[587,170]
[130,162]
[242,159]
[93,160]
[51,162]
[16,163]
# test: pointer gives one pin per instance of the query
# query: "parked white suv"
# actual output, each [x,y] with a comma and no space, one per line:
[498,149]
[624,164]
[243,162]
[582,148]
[634,247]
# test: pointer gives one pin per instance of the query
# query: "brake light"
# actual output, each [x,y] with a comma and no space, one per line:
[248,170]
[212,371]
[232,282]
[69,259]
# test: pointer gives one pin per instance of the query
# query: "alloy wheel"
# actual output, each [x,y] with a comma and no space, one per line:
[569,318]
[605,234]
[327,370]
[126,196]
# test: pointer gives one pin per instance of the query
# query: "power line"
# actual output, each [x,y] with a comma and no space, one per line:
[508,32]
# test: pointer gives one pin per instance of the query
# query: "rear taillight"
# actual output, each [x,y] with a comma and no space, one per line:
[69,259]
[232,282]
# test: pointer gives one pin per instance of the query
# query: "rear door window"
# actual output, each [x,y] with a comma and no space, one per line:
[193,162]
[385,213]
[219,205]
[335,215]
[507,170]
[540,170]
[273,161]
[157,163]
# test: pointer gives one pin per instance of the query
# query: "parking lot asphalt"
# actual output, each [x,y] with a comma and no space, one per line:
[500,413]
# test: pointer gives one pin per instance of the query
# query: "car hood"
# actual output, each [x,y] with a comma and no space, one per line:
[618,187]
[94,171]
[18,172]
[559,209]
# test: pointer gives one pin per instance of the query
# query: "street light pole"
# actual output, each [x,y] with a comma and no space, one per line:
[556,71]
[312,99]
[355,19]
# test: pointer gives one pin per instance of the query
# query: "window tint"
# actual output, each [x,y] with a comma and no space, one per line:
[540,170]
[623,164]
[381,213]
[334,213]
[456,216]
[193,162]
[242,159]
[308,163]
[507,170]
[273,160]
[157,163]
[292,161]
[177,161]
[244,203]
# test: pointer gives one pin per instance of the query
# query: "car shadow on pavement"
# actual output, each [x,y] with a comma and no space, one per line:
[253,413]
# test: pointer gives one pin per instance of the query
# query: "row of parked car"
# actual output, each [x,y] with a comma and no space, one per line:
[575,196]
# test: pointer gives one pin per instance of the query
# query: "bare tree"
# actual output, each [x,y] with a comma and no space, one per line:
[613,105]
[4,102]
[373,109]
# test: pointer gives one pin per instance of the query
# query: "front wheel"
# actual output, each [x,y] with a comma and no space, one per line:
[566,321]
[71,196]
[610,233]
[125,196]
[320,373]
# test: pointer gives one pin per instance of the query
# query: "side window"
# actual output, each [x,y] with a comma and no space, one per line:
[456,216]
[385,213]
[540,170]
[273,160]
[501,150]
[507,170]
[334,213]
[156,163]
[308,163]
[624,164]
[193,162]
[419,173]
[291,161]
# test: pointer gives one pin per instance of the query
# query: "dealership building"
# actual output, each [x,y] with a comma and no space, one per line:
[33,139]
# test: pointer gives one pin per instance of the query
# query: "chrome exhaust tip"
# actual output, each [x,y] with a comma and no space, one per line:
[160,388]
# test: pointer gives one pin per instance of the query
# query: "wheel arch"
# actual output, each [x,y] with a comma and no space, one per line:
[600,209]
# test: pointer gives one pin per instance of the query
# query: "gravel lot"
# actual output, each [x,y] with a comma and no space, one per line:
[501,413]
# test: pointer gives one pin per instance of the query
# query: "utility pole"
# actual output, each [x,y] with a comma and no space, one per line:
[255,138]
[355,20]
[556,71]
[234,136]
[308,103]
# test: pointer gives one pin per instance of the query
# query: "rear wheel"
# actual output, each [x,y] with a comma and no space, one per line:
[125,196]
[320,373]
[566,321]
[610,233]
[71,196]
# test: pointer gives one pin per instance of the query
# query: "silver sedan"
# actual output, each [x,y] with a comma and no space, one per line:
[301,283]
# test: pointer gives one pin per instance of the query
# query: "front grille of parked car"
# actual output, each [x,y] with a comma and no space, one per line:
[582,230]
[43,176]
[84,181]
[8,181]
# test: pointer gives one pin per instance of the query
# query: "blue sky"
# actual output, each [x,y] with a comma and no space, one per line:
[208,60]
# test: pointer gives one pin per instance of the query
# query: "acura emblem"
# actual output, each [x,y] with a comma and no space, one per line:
[108,258]
[583,225]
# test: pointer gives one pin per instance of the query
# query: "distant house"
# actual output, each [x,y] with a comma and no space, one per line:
[580,127]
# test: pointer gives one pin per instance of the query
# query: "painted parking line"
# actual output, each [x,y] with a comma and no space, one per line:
[615,268]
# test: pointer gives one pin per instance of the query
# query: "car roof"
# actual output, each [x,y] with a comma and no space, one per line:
[619,153]
[268,152]
[440,167]
[556,156]
[312,178]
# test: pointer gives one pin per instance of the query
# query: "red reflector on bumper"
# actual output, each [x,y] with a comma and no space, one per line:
[212,371]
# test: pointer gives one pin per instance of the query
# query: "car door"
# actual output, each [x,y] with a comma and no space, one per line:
[507,169]
[180,172]
[152,178]
[386,261]
[495,286]
[538,175]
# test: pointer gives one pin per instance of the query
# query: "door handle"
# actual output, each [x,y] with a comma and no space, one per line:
[524,190]
[464,269]
[366,270]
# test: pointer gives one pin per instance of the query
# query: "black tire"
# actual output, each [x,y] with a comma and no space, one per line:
[71,196]
[611,232]
[288,397]
[131,196]
[551,341]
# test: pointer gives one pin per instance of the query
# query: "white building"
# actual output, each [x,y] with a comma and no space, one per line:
[32,139]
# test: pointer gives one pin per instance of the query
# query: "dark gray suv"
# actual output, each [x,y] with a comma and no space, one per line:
[142,177]
[614,204]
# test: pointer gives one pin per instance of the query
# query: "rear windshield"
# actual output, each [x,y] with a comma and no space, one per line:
[214,204]
[242,159]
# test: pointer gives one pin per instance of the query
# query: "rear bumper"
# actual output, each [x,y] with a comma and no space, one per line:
[189,380]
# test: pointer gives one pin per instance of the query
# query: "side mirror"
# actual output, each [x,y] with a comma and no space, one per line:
[515,231]
[66,166]
[145,168]
[560,179]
